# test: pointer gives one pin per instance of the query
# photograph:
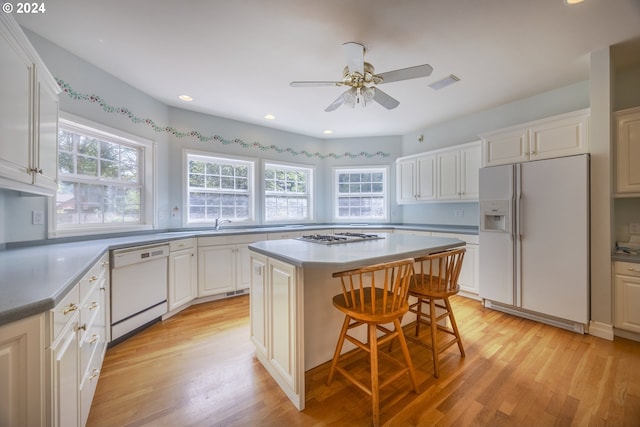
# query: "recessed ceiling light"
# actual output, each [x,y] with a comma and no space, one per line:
[186,98]
[573,1]
[270,117]
[327,132]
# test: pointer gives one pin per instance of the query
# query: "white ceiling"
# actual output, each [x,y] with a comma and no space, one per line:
[236,58]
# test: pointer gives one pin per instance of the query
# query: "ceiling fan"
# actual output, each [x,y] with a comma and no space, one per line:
[360,75]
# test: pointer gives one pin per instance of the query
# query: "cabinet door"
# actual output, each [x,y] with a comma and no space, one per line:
[426,180]
[628,153]
[66,380]
[258,302]
[46,152]
[406,181]
[183,278]
[559,137]
[283,313]
[216,270]
[15,112]
[448,175]
[470,161]
[21,362]
[468,279]
[507,147]
[627,302]
[243,262]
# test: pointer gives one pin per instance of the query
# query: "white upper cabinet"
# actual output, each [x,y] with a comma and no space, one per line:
[627,165]
[557,136]
[443,175]
[28,115]
[458,173]
[416,179]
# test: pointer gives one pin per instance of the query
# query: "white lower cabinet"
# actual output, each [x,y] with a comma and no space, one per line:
[21,372]
[627,296]
[78,335]
[469,273]
[276,323]
[183,273]
[223,263]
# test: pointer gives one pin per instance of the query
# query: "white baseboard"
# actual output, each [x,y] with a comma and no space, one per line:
[601,330]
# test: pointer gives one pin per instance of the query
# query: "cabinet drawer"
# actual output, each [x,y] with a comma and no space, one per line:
[87,390]
[97,274]
[230,239]
[178,245]
[627,268]
[90,308]
[64,311]
[91,349]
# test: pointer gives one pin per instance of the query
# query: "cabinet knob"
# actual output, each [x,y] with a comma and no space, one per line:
[92,279]
[94,373]
[94,305]
[94,338]
[81,328]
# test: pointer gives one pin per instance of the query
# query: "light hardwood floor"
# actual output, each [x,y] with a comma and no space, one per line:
[199,369]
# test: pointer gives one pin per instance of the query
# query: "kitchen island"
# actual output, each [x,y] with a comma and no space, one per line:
[294,325]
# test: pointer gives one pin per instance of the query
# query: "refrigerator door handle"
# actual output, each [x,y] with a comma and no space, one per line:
[520,215]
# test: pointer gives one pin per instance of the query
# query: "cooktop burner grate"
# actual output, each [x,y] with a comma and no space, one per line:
[330,239]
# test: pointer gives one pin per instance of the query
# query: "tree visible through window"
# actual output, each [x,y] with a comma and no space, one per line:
[218,188]
[287,192]
[100,179]
[361,194]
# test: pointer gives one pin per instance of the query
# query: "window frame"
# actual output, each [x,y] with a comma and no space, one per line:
[186,154]
[310,192]
[147,174]
[336,171]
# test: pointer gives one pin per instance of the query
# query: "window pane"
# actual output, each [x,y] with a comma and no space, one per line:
[110,191]
[288,195]
[355,190]
[225,188]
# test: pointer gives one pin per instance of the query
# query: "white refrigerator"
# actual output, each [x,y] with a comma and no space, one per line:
[534,240]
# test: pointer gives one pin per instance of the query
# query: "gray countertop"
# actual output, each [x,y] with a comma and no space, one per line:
[344,256]
[35,276]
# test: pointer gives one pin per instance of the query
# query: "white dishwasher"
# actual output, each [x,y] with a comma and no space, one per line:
[138,288]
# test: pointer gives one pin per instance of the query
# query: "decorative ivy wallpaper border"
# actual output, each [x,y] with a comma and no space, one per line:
[77,96]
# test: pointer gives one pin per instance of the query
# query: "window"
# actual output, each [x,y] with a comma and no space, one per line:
[105,180]
[361,193]
[218,187]
[287,194]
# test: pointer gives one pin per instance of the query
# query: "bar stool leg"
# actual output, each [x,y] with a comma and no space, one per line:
[375,392]
[454,326]
[336,355]
[407,356]
[434,339]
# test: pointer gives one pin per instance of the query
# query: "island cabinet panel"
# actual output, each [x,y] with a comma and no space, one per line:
[282,296]
[276,322]
[258,303]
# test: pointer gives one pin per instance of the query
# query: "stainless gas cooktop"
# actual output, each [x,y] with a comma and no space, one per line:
[332,239]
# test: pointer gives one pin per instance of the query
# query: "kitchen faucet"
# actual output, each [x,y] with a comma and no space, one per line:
[220,221]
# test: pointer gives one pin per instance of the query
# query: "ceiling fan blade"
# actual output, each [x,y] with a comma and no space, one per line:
[347,96]
[313,84]
[406,73]
[385,100]
[354,52]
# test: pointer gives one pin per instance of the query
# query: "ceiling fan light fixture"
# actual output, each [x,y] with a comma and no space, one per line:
[447,81]
[185,98]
